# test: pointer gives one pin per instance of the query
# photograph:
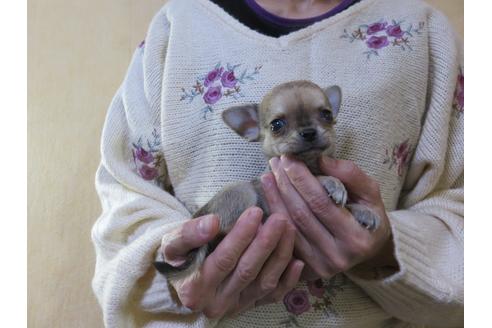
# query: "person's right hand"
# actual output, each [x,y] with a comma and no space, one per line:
[251,266]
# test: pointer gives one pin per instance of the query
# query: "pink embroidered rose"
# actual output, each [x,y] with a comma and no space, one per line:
[144,156]
[316,288]
[297,301]
[212,95]
[376,27]
[401,154]
[459,94]
[460,99]
[377,42]
[394,31]
[213,76]
[147,172]
[228,79]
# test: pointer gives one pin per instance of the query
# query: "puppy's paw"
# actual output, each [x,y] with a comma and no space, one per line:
[365,216]
[335,189]
[189,270]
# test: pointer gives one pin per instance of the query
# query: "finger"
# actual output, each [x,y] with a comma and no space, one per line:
[288,282]
[192,234]
[276,205]
[255,256]
[359,184]
[299,211]
[224,258]
[335,218]
[278,261]
[272,194]
[269,277]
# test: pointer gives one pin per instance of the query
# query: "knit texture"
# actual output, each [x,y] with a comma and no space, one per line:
[400,68]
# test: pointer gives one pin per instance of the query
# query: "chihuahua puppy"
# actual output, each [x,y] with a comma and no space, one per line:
[295,118]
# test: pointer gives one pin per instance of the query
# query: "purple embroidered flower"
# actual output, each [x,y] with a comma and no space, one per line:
[316,288]
[461,81]
[228,79]
[401,154]
[459,94]
[376,27]
[220,82]
[377,42]
[394,31]
[212,95]
[297,301]
[144,156]
[147,172]
[460,99]
[379,35]
[213,76]
[142,44]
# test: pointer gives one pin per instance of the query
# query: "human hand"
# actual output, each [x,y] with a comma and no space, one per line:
[329,239]
[251,266]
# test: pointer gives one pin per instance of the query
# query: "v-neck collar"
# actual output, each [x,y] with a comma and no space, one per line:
[284,40]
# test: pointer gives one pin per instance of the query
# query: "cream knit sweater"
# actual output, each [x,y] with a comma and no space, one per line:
[400,69]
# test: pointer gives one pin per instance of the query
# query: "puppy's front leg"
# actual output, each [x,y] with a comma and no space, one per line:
[363,214]
[335,189]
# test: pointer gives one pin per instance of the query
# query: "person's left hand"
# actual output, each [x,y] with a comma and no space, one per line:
[329,239]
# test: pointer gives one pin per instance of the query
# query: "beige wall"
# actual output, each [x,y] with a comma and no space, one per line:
[78,53]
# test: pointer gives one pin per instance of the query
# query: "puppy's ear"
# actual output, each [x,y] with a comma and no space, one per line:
[334,94]
[243,120]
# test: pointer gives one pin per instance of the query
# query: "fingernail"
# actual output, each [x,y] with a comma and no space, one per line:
[254,211]
[286,162]
[299,265]
[266,179]
[274,162]
[206,224]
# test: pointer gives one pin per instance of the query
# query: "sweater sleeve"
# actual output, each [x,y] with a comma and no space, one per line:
[137,211]
[428,224]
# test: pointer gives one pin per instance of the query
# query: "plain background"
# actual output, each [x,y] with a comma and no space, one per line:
[78,52]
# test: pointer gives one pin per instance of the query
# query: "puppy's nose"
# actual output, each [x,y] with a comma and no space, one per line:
[308,134]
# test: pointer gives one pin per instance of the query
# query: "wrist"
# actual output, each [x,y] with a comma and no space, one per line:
[383,264]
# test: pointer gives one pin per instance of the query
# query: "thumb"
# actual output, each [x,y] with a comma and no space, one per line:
[192,234]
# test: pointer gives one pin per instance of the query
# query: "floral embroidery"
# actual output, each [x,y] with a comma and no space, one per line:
[297,301]
[381,34]
[148,158]
[219,82]
[319,298]
[141,45]
[400,156]
[459,94]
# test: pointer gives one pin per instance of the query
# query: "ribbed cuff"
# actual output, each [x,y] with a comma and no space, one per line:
[158,297]
[416,284]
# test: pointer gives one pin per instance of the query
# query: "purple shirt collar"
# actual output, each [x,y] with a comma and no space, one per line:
[287,22]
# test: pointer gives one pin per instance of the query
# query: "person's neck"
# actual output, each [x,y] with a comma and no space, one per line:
[298,9]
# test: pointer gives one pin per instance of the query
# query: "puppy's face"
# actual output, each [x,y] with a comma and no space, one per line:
[294,118]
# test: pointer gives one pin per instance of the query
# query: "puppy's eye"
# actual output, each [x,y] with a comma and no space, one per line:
[277,125]
[327,115]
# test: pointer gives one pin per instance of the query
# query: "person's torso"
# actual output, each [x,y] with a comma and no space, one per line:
[379,58]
